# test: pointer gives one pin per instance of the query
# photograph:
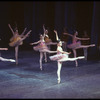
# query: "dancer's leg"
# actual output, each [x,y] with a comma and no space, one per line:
[71,59]
[16,54]
[85,52]
[58,71]
[85,46]
[41,57]
[74,51]
[64,45]
[50,51]
[45,55]
[4,59]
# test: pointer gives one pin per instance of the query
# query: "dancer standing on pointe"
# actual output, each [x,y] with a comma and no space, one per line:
[42,48]
[76,44]
[17,40]
[61,56]
[5,59]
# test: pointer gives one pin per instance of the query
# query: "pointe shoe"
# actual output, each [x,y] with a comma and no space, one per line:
[12,60]
[58,81]
[76,65]
[82,57]
[40,68]
[16,63]
[46,60]
[92,45]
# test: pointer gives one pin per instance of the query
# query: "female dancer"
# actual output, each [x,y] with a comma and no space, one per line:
[76,44]
[17,40]
[42,48]
[4,59]
[61,56]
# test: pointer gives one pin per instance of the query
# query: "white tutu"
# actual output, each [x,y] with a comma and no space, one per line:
[58,57]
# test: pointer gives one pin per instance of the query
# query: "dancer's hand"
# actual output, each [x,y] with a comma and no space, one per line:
[55,31]
[8,24]
[5,48]
[69,52]
[65,33]
[31,43]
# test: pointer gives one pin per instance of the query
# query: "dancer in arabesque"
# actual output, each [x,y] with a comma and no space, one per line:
[61,56]
[76,44]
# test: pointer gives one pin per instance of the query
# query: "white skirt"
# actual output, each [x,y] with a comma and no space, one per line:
[58,57]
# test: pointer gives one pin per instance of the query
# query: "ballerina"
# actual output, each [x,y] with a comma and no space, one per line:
[17,40]
[42,48]
[61,56]
[5,59]
[76,44]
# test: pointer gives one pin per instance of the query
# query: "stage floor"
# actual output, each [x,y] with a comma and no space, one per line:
[27,81]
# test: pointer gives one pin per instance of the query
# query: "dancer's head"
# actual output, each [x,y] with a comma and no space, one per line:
[46,31]
[65,29]
[16,30]
[59,43]
[41,36]
[76,33]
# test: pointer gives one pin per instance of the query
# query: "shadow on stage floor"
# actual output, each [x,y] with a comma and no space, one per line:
[26,80]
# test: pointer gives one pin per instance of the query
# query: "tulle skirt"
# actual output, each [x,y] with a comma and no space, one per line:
[74,45]
[41,46]
[15,42]
[58,57]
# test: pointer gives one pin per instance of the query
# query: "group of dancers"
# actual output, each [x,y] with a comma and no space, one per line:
[43,46]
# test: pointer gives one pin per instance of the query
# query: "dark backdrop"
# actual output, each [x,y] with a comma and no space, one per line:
[76,15]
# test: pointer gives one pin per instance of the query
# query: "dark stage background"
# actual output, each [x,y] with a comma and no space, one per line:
[75,15]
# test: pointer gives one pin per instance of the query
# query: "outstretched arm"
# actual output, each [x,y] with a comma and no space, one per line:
[35,43]
[26,35]
[82,38]
[68,34]
[3,48]
[11,28]
[56,35]
[63,52]
[23,32]
[66,52]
